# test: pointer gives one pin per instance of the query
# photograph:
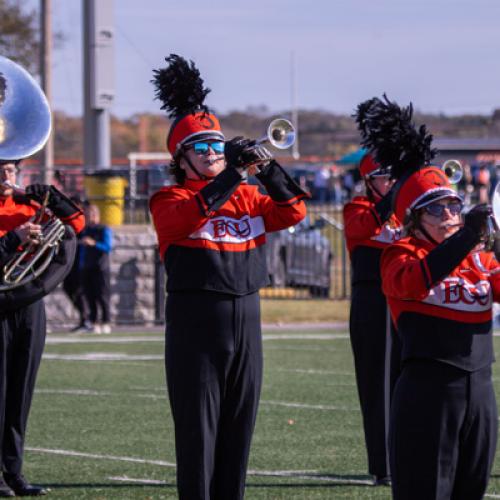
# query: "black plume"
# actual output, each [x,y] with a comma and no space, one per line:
[179,87]
[361,115]
[393,139]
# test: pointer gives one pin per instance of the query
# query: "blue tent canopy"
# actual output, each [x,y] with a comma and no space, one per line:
[352,158]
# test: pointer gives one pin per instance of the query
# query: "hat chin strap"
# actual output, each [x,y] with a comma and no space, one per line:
[421,228]
[374,189]
[195,170]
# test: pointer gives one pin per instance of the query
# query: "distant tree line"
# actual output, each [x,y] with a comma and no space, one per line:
[320,133]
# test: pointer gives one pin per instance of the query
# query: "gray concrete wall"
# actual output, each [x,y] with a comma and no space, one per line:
[132,281]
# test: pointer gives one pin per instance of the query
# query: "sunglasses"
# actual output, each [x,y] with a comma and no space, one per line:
[380,172]
[201,148]
[437,209]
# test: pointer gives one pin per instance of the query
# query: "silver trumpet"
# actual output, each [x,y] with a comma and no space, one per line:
[453,170]
[491,241]
[280,134]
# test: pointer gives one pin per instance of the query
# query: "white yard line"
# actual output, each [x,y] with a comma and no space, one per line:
[88,338]
[86,392]
[312,475]
[296,474]
[289,404]
[314,372]
[70,453]
[103,356]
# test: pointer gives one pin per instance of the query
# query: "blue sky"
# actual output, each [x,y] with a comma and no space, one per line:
[444,55]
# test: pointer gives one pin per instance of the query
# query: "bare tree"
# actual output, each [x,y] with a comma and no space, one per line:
[19,34]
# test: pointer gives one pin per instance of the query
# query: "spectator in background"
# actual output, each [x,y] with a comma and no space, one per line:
[73,284]
[97,243]
[465,187]
[483,180]
[321,183]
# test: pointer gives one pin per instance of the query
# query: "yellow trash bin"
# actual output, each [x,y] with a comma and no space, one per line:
[107,191]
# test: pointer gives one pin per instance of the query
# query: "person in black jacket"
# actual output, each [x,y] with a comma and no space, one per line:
[96,244]
[73,286]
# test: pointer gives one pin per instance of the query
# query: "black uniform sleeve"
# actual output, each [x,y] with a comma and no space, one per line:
[61,205]
[279,185]
[447,255]
[8,245]
[218,191]
[384,207]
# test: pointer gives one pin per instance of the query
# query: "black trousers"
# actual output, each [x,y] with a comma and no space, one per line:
[443,432]
[22,339]
[97,288]
[73,287]
[376,351]
[213,357]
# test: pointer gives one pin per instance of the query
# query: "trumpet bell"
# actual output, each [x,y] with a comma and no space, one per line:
[25,119]
[453,170]
[495,202]
[281,133]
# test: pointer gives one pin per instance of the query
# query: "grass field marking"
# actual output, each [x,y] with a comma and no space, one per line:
[137,480]
[71,453]
[305,336]
[308,475]
[490,495]
[88,338]
[296,474]
[301,348]
[289,404]
[91,392]
[102,356]
[75,392]
[311,371]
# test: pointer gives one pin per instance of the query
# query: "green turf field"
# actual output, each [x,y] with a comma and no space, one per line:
[102,428]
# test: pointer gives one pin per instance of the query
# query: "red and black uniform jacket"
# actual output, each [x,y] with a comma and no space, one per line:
[14,212]
[366,236]
[211,234]
[445,318]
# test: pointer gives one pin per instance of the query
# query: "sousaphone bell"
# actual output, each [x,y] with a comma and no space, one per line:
[25,126]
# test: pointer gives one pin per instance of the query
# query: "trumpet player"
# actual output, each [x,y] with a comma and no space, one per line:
[440,289]
[211,231]
[22,330]
[370,226]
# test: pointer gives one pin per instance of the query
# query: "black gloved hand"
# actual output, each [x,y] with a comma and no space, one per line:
[233,151]
[242,153]
[477,219]
[37,192]
[384,206]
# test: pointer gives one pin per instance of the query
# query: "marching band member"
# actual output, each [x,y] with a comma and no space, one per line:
[22,330]
[211,231]
[440,288]
[369,227]
[22,312]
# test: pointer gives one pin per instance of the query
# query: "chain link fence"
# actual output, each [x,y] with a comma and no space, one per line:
[308,260]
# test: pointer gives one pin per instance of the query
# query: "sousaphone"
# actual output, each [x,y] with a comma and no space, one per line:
[25,125]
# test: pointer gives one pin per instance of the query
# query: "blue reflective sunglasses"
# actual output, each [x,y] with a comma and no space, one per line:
[201,148]
[437,209]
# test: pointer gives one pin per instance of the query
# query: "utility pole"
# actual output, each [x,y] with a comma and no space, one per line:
[98,76]
[46,81]
[295,112]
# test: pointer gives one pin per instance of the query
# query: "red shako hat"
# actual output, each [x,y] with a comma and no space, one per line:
[424,186]
[181,90]
[368,165]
